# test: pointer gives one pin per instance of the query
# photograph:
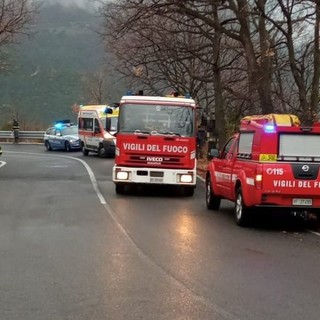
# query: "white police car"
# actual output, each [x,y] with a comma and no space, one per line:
[62,136]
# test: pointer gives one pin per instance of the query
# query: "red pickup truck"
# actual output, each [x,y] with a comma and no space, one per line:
[272,162]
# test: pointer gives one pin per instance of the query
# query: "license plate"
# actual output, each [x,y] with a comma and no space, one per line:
[301,202]
[156,180]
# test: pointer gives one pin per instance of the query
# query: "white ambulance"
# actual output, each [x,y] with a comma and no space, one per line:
[97,125]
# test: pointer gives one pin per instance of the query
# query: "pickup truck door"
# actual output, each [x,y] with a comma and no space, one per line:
[224,167]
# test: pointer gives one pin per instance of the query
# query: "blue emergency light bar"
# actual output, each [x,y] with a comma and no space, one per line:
[62,123]
[268,128]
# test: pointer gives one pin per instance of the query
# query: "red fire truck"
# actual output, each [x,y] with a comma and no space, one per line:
[156,142]
[272,162]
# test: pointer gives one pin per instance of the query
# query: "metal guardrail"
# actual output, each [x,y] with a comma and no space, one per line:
[34,136]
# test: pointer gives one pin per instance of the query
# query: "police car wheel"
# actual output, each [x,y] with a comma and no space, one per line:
[67,146]
[48,146]
[212,201]
[242,213]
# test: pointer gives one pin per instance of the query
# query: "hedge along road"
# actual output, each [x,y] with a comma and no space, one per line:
[67,253]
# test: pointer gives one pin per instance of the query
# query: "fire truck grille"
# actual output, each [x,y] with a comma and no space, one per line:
[142,173]
[145,160]
[156,174]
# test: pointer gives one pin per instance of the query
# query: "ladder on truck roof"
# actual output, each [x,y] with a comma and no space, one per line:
[288,120]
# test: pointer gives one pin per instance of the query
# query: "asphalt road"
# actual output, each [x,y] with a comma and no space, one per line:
[70,248]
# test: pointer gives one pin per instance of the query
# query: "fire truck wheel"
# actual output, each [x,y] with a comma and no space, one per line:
[120,188]
[242,213]
[212,201]
[67,146]
[84,150]
[48,146]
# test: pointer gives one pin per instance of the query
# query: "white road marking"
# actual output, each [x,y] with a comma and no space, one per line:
[90,172]
[2,163]
[209,304]
[314,232]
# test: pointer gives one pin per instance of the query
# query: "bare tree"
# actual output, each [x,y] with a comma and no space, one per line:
[298,24]
[314,100]
[244,56]
[101,86]
[165,52]
[94,87]
[16,17]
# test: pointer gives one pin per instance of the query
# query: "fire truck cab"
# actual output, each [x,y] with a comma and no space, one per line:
[272,162]
[156,143]
[97,125]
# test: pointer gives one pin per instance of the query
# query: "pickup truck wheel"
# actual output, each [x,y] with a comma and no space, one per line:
[242,213]
[212,201]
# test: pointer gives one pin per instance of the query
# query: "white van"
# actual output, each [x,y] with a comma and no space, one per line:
[97,125]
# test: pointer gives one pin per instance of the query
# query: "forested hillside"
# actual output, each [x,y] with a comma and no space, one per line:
[44,78]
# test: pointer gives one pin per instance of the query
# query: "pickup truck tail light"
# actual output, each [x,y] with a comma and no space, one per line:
[258,177]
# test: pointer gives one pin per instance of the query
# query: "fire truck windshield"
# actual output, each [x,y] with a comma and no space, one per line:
[157,119]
